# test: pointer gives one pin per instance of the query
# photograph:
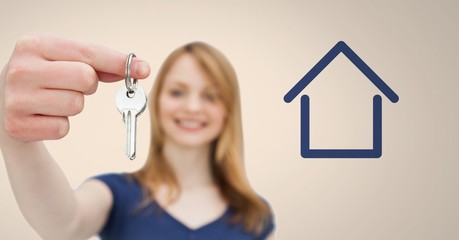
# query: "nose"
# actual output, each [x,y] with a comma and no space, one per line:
[194,103]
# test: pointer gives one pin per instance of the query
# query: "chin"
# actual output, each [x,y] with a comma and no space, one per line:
[192,144]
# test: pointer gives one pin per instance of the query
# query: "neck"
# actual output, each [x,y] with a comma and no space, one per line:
[191,165]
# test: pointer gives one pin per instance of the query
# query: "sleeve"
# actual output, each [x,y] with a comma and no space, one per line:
[116,184]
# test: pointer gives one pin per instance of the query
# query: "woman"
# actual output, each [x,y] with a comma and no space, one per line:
[193,185]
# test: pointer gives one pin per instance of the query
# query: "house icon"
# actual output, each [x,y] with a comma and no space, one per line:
[306,151]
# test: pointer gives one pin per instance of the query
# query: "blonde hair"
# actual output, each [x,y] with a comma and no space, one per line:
[226,151]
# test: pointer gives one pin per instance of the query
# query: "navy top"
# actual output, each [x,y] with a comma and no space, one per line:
[128,221]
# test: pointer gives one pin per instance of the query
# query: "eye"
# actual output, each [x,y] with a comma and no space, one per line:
[210,96]
[176,92]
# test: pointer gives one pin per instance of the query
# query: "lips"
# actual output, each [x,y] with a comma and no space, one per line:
[190,124]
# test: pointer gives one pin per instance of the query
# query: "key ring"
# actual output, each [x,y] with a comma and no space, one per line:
[131,84]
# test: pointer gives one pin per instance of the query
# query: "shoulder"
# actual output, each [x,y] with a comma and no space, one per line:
[260,224]
[120,184]
[269,222]
[115,178]
[126,194]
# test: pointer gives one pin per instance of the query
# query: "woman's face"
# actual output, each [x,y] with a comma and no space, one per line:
[190,110]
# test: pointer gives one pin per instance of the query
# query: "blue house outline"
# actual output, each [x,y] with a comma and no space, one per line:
[306,151]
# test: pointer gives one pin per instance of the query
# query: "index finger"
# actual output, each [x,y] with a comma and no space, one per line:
[109,63]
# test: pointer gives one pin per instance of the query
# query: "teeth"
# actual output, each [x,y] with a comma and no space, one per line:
[189,124]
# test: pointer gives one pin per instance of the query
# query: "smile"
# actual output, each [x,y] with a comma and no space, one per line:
[190,125]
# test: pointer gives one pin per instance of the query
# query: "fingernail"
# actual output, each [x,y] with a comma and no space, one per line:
[143,68]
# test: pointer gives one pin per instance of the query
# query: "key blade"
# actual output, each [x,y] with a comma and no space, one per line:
[131,127]
[130,106]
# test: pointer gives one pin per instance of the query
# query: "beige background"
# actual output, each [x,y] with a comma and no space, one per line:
[411,192]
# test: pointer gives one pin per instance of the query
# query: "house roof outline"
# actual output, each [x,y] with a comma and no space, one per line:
[340,47]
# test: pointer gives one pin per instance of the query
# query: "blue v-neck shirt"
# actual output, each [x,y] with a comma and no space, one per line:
[129,222]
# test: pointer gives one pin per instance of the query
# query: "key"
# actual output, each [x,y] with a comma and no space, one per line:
[131,105]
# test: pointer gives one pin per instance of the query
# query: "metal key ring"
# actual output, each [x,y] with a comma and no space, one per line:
[131,84]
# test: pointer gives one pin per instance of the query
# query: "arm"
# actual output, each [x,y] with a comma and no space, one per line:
[41,86]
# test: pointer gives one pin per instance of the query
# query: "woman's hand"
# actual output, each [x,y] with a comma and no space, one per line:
[45,82]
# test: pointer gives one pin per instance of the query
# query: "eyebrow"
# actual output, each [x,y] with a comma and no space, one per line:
[212,87]
[181,84]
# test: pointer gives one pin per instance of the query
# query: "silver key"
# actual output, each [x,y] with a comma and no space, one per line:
[131,105]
